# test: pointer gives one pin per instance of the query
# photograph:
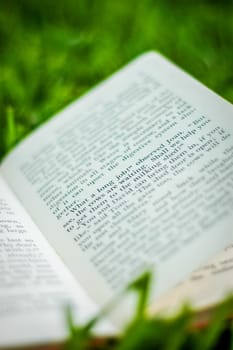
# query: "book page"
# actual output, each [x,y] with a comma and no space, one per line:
[205,288]
[35,286]
[135,175]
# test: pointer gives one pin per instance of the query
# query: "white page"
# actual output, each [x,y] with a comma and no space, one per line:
[136,174]
[35,287]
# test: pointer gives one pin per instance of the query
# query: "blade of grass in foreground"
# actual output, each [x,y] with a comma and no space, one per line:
[144,333]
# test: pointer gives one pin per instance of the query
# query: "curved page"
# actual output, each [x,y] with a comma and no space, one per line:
[35,287]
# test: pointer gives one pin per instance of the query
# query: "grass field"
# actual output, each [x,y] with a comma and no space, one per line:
[53,51]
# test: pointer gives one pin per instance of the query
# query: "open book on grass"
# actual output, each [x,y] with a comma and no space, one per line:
[135,175]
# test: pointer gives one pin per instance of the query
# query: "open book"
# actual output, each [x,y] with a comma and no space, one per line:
[135,175]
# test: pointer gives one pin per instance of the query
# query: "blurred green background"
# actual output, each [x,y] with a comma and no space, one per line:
[53,51]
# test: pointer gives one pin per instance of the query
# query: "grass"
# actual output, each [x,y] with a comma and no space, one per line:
[144,333]
[54,51]
[51,52]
